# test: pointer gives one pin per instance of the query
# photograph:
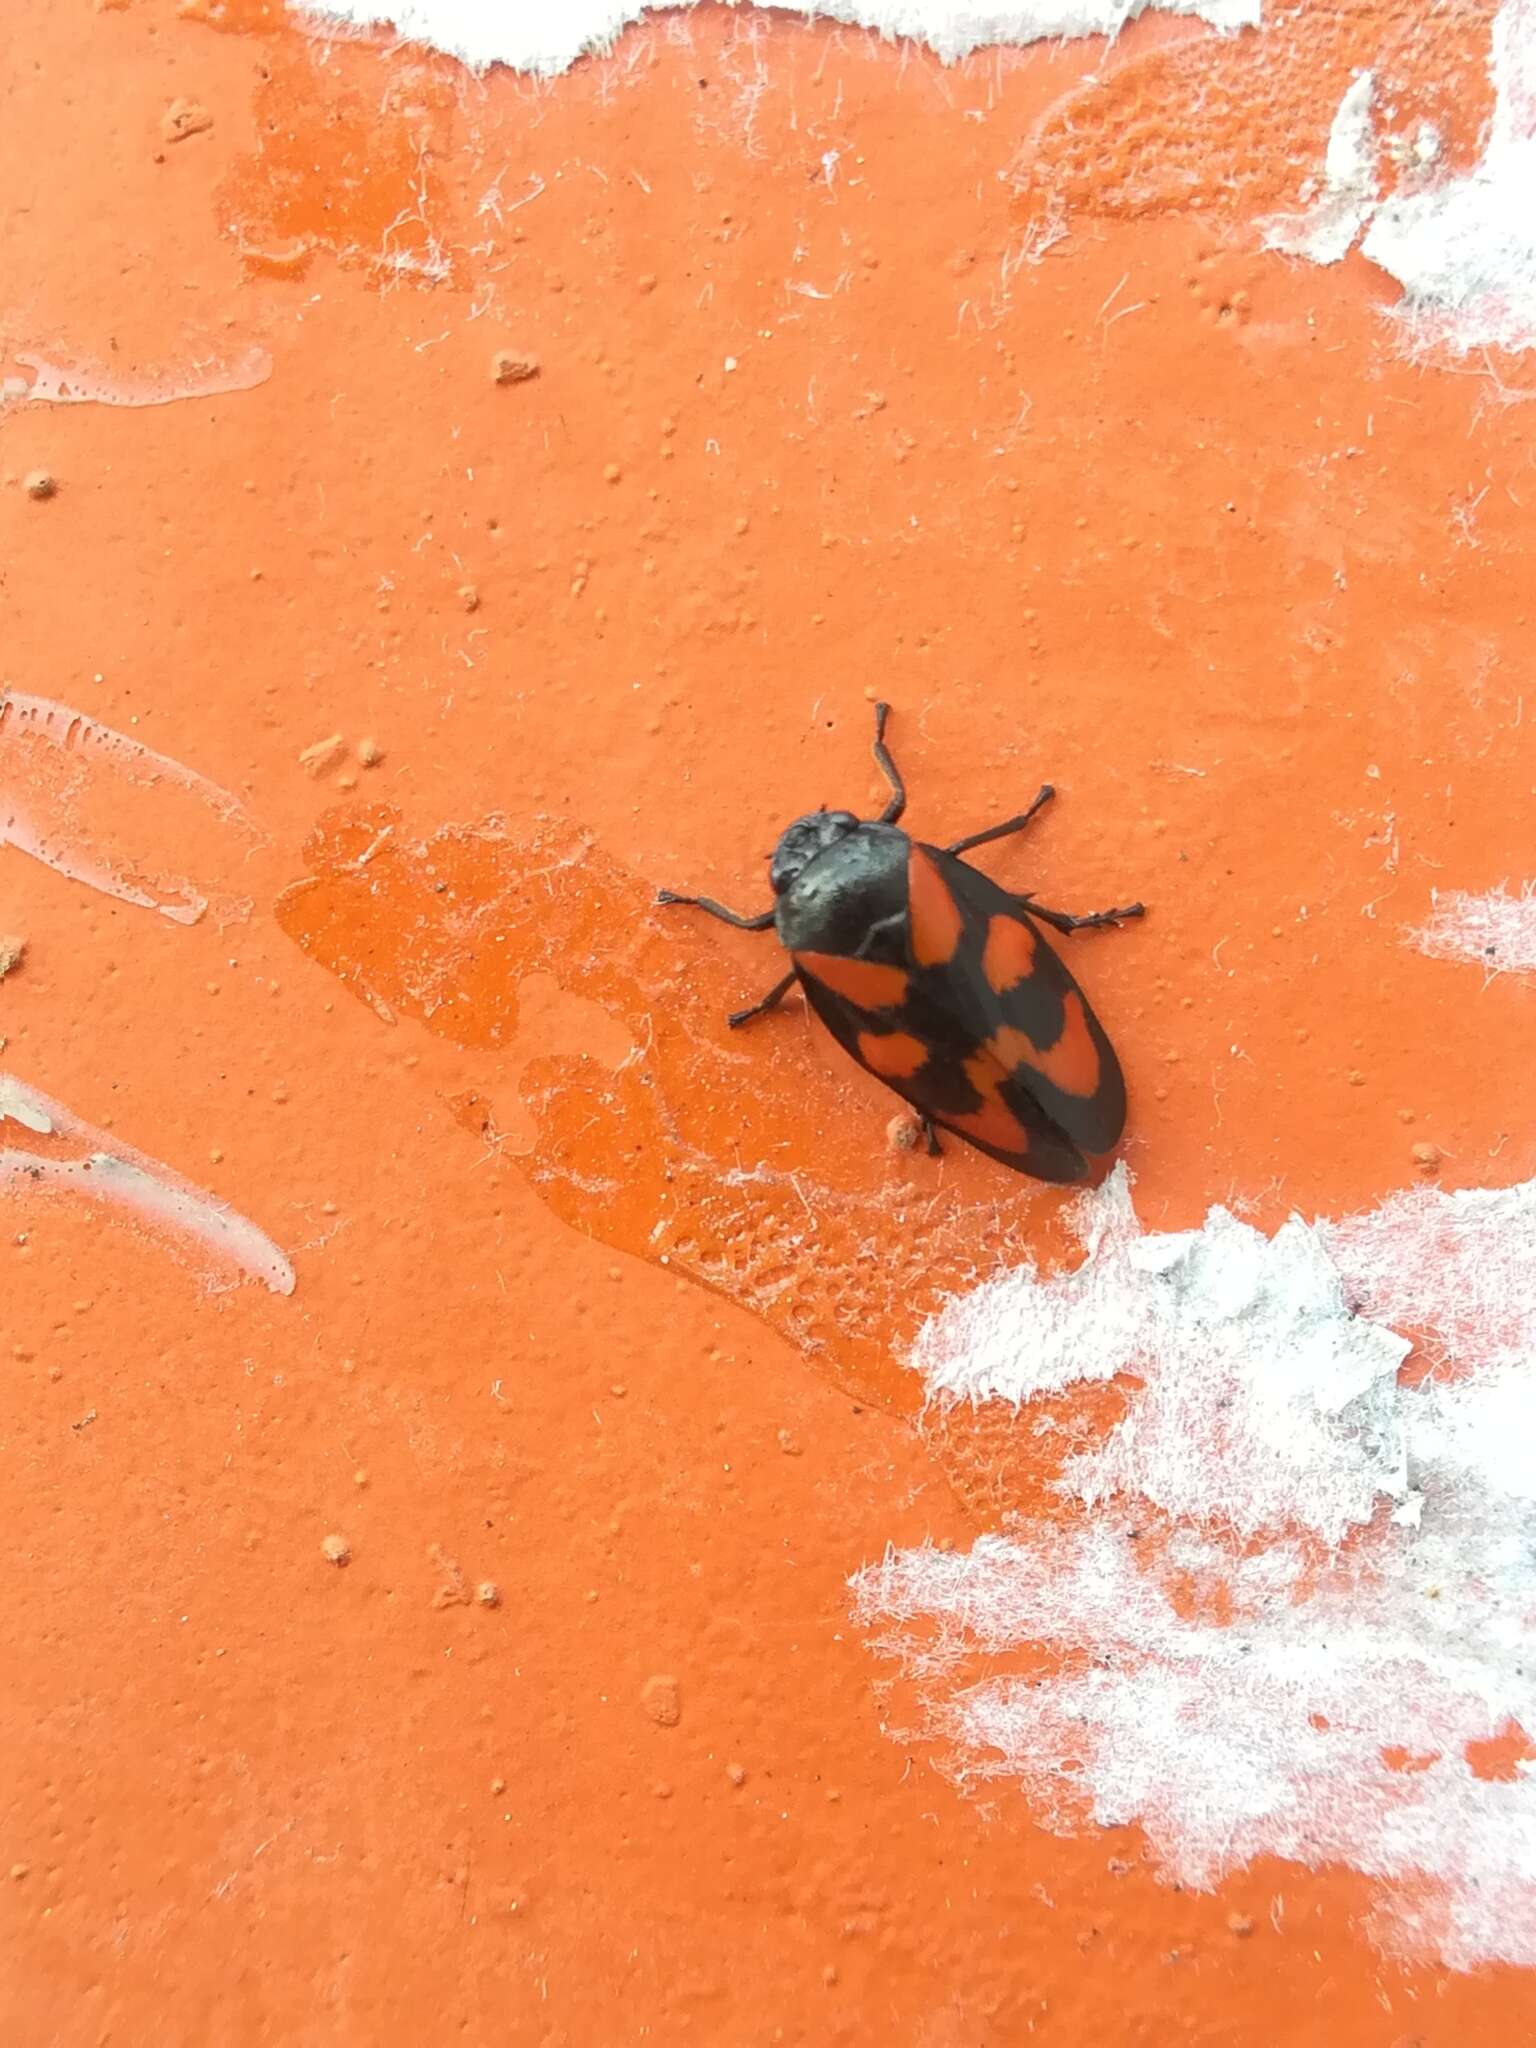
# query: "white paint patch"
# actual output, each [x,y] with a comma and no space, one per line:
[549,39]
[130,1180]
[74,383]
[1464,250]
[58,766]
[1496,931]
[1326,231]
[1305,1594]
[23,1107]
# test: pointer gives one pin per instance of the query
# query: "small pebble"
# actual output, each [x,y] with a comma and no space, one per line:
[1426,1157]
[323,754]
[508,367]
[370,753]
[1241,1924]
[336,1550]
[41,485]
[488,1593]
[183,118]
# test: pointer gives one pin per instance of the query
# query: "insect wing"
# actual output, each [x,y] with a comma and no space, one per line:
[1007,992]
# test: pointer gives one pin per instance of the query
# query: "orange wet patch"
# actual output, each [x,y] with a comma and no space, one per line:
[346,162]
[620,1103]
[1008,957]
[865,982]
[1073,1061]
[896,1055]
[935,917]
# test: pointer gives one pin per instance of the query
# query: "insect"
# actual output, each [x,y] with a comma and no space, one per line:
[942,983]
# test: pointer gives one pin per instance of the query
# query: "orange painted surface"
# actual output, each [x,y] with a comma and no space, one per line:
[593,1358]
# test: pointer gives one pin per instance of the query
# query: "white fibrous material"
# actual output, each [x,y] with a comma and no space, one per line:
[1305,1429]
[547,36]
[1462,248]
[1465,250]
[1496,931]
[121,1178]
[1292,1614]
[1326,231]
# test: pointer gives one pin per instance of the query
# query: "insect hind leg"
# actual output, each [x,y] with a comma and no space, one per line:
[1064,921]
[1008,826]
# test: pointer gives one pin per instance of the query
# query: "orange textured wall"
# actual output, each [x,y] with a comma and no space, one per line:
[494,498]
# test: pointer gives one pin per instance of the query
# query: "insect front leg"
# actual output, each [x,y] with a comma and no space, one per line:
[888,769]
[930,1135]
[771,1001]
[1064,921]
[742,924]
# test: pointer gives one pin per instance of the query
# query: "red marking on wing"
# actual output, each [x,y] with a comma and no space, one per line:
[864,982]
[1073,1061]
[994,1123]
[1008,957]
[894,1055]
[934,915]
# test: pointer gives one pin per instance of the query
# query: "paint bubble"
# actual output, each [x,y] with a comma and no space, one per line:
[661,1698]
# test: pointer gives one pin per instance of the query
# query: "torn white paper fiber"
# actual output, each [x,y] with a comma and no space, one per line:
[1495,931]
[1296,1617]
[1462,248]
[545,39]
[1465,251]
[1327,230]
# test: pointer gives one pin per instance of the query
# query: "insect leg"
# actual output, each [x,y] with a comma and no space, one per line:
[771,1001]
[888,769]
[1064,921]
[744,924]
[930,1137]
[1008,825]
